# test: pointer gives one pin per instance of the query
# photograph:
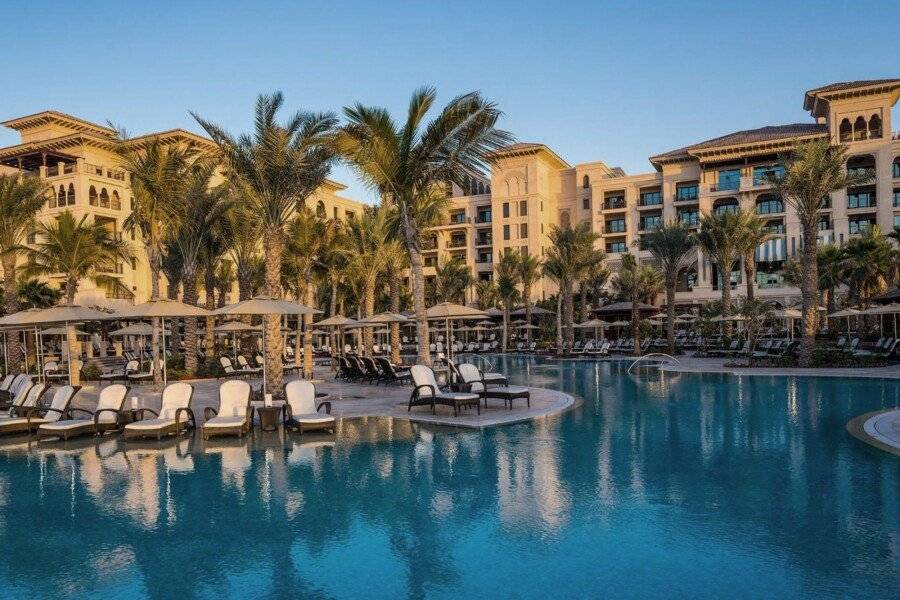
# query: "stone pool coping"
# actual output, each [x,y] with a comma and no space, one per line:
[880,429]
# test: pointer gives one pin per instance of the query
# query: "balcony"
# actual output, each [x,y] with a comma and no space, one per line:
[723,186]
[614,203]
[428,246]
[115,269]
[485,241]
[457,219]
[104,172]
[861,199]
[483,218]
[457,243]
[485,259]
[56,171]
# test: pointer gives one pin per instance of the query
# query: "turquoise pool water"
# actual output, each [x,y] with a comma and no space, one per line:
[700,486]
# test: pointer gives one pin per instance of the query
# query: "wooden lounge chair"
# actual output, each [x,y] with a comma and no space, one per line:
[427,392]
[474,379]
[301,411]
[38,415]
[174,416]
[132,366]
[106,417]
[233,415]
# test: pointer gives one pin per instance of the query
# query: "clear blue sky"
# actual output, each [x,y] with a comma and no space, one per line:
[593,80]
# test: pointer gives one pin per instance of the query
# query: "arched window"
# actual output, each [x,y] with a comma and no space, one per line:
[845,131]
[726,205]
[104,198]
[487,189]
[859,129]
[874,127]
[480,188]
[70,195]
[895,167]
[564,219]
[585,182]
[116,201]
[92,196]
[60,197]
[473,188]
[320,209]
[768,204]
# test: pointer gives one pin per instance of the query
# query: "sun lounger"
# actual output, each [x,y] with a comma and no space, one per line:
[174,416]
[106,417]
[14,390]
[132,366]
[245,367]
[301,411]
[427,392]
[473,379]
[26,397]
[233,415]
[37,415]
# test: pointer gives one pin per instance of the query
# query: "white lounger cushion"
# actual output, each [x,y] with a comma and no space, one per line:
[234,399]
[67,425]
[314,418]
[301,397]
[225,421]
[151,424]
[423,375]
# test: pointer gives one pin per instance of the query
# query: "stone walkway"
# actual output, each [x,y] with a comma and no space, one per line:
[880,429]
[349,400]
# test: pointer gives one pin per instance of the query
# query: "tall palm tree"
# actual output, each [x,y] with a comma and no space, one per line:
[868,262]
[720,239]
[159,177]
[21,196]
[368,236]
[451,280]
[242,233]
[812,172]
[570,256]
[637,283]
[204,207]
[591,285]
[224,280]
[830,267]
[486,291]
[33,293]
[753,234]
[407,162]
[528,269]
[397,263]
[275,168]
[673,247]
[79,250]
[507,276]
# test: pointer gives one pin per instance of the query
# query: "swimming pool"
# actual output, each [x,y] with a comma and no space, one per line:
[691,485]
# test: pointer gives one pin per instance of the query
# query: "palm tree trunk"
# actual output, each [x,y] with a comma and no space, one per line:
[527,293]
[750,274]
[559,335]
[368,311]
[72,343]
[809,291]
[155,322]
[299,341]
[417,281]
[671,283]
[569,313]
[273,246]
[307,334]
[394,285]
[585,306]
[209,282]
[190,324]
[11,305]
[726,296]
[505,324]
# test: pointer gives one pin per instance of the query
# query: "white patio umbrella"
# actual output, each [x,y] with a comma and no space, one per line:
[141,330]
[235,327]
[887,309]
[447,311]
[64,331]
[265,305]
[338,322]
[846,313]
[163,309]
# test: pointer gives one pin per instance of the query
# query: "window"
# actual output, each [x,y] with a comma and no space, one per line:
[845,130]
[506,210]
[861,198]
[586,203]
[859,129]
[896,198]
[615,226]
[523,231]
[564,219]
[763,175]
[769,204]
[484,215]
[134,264]
[320,209]
[874,127]
[689,217]
[349,214]
[523,208]
[614,200]
[116,202]
[506,232]
[725,206]
[651,198]
[614,247]
[104,198]
[523,250]
[59,199]
[686,191]
[458,218]
[729,179]
[650,222]
[92,196]
[70,195]
[585,182]
[895,168]
[775,227]
[896,221]
[861,224]
[824,223]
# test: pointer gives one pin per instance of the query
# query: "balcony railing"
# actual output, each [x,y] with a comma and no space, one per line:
[483,218]
[614,203]
[111,269]
[457,244]
[485,241]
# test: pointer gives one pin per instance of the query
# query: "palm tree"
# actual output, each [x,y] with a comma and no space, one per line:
[451,280]
[159,177]
[594,279]
[275,169]
[753,234]
[204,207]
[241,232]
[570,256]
[829,265]
[529,271]
[397,262]
[811,174]
[368,238]
[868,262]
[32,293]
[79,250]
[636,283]
[21,196]
[720,239]
[406,163]
[507,276]
[486,290]
[673,247]
[224,280]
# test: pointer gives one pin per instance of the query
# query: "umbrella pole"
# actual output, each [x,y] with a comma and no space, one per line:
[69,353]
[265,357]
[5,358]
[163,334]
[37,355]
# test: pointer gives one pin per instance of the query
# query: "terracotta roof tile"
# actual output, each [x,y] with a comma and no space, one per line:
[750,136]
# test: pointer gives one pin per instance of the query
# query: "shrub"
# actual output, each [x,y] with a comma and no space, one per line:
[91,373]
[210,368]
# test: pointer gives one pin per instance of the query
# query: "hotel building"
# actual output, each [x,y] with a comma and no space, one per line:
[530,188]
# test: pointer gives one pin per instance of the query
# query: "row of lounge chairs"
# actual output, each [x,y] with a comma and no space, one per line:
[469,387]
[370,369]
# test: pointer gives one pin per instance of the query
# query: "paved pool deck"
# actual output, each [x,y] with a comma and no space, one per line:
[880,429]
